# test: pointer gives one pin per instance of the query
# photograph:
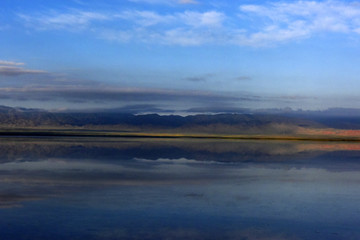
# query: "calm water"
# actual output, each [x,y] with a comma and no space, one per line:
[67,188]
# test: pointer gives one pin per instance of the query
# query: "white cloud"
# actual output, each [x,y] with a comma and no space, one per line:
[146,18]
[116,35]
[198,19]
[179,28]
[187,28]
[249,25]
[10,68]
[55,20]
[153,1]
[167,2]
[10,63]
[183,37]
[176,36]
[281,21]
[188,2]
[191,18]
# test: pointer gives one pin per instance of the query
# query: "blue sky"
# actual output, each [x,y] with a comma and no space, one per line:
[179,55]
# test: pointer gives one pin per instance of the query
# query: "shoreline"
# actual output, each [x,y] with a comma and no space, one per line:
[109,134]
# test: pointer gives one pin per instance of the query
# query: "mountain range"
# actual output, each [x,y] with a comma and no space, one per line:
[268,121]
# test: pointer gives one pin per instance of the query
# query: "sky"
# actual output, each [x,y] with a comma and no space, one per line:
[179,56]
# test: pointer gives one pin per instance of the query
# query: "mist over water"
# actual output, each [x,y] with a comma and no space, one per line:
[83,188]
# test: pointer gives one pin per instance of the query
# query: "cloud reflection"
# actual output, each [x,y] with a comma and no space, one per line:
[269,191]
[56,167]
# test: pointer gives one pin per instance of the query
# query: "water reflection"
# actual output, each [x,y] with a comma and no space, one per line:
[68,188]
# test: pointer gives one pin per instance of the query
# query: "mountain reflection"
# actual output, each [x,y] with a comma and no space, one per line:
[12,149]
[248,181]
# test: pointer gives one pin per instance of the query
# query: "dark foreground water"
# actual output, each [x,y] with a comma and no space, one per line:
[68,188]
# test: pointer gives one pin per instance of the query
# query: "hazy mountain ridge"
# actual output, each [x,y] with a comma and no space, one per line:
[272,120]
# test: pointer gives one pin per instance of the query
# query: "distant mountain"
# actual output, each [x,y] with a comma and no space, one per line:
[342,118]
[258,122]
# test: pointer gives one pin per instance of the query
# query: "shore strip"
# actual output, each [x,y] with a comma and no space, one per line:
[77,133]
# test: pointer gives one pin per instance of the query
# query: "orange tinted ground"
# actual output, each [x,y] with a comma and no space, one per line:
[329,147]
[329,132]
